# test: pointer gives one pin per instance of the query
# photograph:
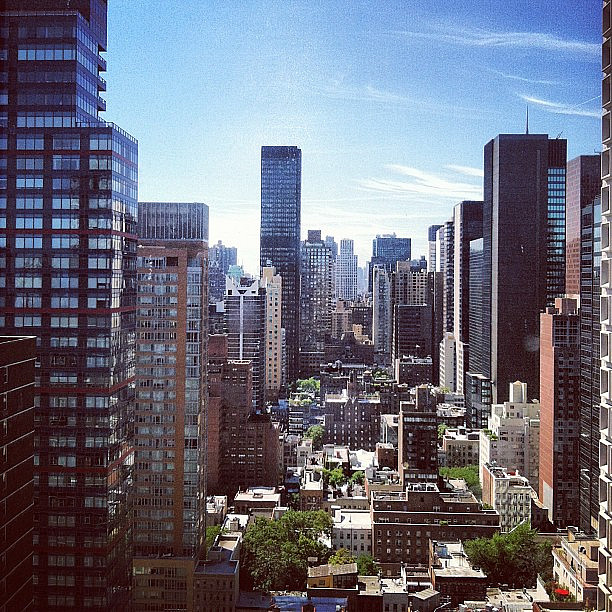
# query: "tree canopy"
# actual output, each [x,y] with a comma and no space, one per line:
[341,556]
[358,477]
[469,474]
[316,433]
[275,554]
[335,478]
[514,558]
[366,566]
[311,385]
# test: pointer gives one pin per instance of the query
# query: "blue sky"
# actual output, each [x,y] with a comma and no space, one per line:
[391,102]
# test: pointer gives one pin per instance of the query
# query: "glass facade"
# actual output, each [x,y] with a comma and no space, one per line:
[68,244]
[281,202]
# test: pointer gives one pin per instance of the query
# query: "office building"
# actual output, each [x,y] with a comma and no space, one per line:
[387,250]
[467,223]
[560,412]
[170,414]
[523,253]
[245,322]
[582,277]
[316,296]
[604,596]
[17,355]
[281,202]
[70,206]
[220,258]
[346,271]
[275,358]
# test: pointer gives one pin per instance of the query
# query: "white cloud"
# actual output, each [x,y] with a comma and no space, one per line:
[421,183]
[559,108]
[522,79]
[480,37]
[467,170]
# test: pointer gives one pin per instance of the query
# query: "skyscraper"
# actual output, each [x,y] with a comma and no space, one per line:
[70,207]
[467,222]
[346,271]
[220,259]
[432,231]
[281,202]
[523,253]
[316,298]
[583,257]
[170,416]
[274,368]
[387,250]
[560,412]
[245,322]
[17,356]
[604,599]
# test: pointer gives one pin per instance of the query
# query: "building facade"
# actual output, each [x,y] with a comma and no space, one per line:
[387,250]
[523,254]
[346,271]
[17,356]
[70,240]
[275,358]
[220,258]
[170,414]
[560,412]
[281,204]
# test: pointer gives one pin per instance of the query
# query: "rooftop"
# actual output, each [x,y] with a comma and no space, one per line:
[352,519]
[332,570]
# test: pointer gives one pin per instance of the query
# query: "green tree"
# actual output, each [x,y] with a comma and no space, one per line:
[211,533]
[316,433]
[341,556]
[469,474]
[335,477]
[442,427]
[357,478]
[275,554]
[366,566]
[309,385]
[514,558]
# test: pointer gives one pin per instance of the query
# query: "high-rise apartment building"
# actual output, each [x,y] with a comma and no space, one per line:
[245,322]
[316,296]
[70,250]
[582,276]
[346,271]
[604,599]
[560,411]
[523,254]
[220,258]
[281,203]
[274,368]
[17,355]
[381,314]
[467,223]
[170,414]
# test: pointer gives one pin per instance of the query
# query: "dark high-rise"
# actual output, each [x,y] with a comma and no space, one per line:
[17,355]
[523,252]
[70,247]
[583,259]
[220,258]
[281,188]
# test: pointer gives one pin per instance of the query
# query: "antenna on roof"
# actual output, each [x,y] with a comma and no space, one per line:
[527,121]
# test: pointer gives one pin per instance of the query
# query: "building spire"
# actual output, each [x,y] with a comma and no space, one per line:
[527,121]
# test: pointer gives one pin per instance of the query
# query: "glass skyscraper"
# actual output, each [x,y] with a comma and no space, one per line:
[281,203]
[68,193]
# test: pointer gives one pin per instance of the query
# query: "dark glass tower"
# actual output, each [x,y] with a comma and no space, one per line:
[68,204]
[281,188]
[387,250]
[523,251]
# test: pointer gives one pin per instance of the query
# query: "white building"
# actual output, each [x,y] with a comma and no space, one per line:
[512,439]
[352,530]
[448,365]
[346,271]
[509,493]
[460,447]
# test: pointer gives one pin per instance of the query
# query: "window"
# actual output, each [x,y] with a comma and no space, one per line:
[34,181]
[65,202]
[65,222]
[67,143]
[32,142]
[66,162]
[26,241]
[29,222]
[29,203]
[27,321]
[52,52]
[64,241]
[30,163]
[100,142]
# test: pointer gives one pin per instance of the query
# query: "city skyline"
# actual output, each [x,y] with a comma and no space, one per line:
[391,107]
